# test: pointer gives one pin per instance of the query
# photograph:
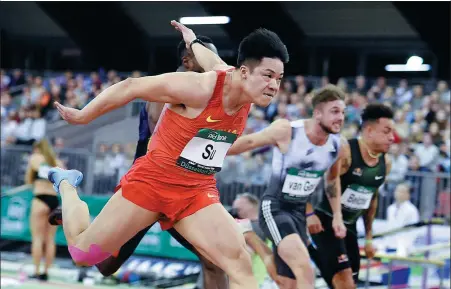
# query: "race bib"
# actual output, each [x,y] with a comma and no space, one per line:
[356,197]
[205,152]
[301,183]
[43,171]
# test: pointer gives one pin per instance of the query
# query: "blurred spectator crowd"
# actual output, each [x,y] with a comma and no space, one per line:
[422,124]
[422,116]
[27,99]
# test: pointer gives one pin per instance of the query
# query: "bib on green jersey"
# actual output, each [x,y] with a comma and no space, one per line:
[356,197]
[358,186]
[301,183]
[206,151]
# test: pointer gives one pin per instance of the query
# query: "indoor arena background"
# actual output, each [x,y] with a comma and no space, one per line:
[70,51]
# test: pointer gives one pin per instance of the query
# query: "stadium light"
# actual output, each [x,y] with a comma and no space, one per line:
[406,68]
[205,20]
[414,63]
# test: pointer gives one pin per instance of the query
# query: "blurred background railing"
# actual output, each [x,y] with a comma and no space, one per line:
[430,191]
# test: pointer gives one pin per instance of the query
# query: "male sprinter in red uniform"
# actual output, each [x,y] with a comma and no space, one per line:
[213,277]
[174,183]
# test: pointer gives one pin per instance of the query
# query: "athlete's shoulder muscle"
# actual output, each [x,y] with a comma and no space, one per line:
[223,67]
[281,134]
[189,88]
[207,85]
[297,123]
[283,125]
[345,155]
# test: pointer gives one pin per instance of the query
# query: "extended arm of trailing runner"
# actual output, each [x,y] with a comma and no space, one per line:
[278,133]
[370,214]
[207,59]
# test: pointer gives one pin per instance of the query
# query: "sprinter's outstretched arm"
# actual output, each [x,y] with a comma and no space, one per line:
[188,88]
[278,133]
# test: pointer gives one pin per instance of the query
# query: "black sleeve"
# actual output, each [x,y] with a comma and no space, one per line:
[112,264]
[141,148]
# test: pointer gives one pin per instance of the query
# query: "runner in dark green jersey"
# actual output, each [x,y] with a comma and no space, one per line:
[363,168]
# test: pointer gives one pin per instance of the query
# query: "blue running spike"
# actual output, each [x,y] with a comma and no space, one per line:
[56,175]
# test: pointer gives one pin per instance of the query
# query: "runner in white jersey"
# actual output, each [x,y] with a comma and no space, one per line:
[305,151]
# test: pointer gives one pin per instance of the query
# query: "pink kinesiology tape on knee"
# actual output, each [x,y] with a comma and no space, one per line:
[90,258]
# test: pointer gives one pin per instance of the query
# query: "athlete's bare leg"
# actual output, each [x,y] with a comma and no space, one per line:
[216,235]
[214,277]
[286,283]
[118,221]
[294,253]
[39,212]
[75,212]
[343,279]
